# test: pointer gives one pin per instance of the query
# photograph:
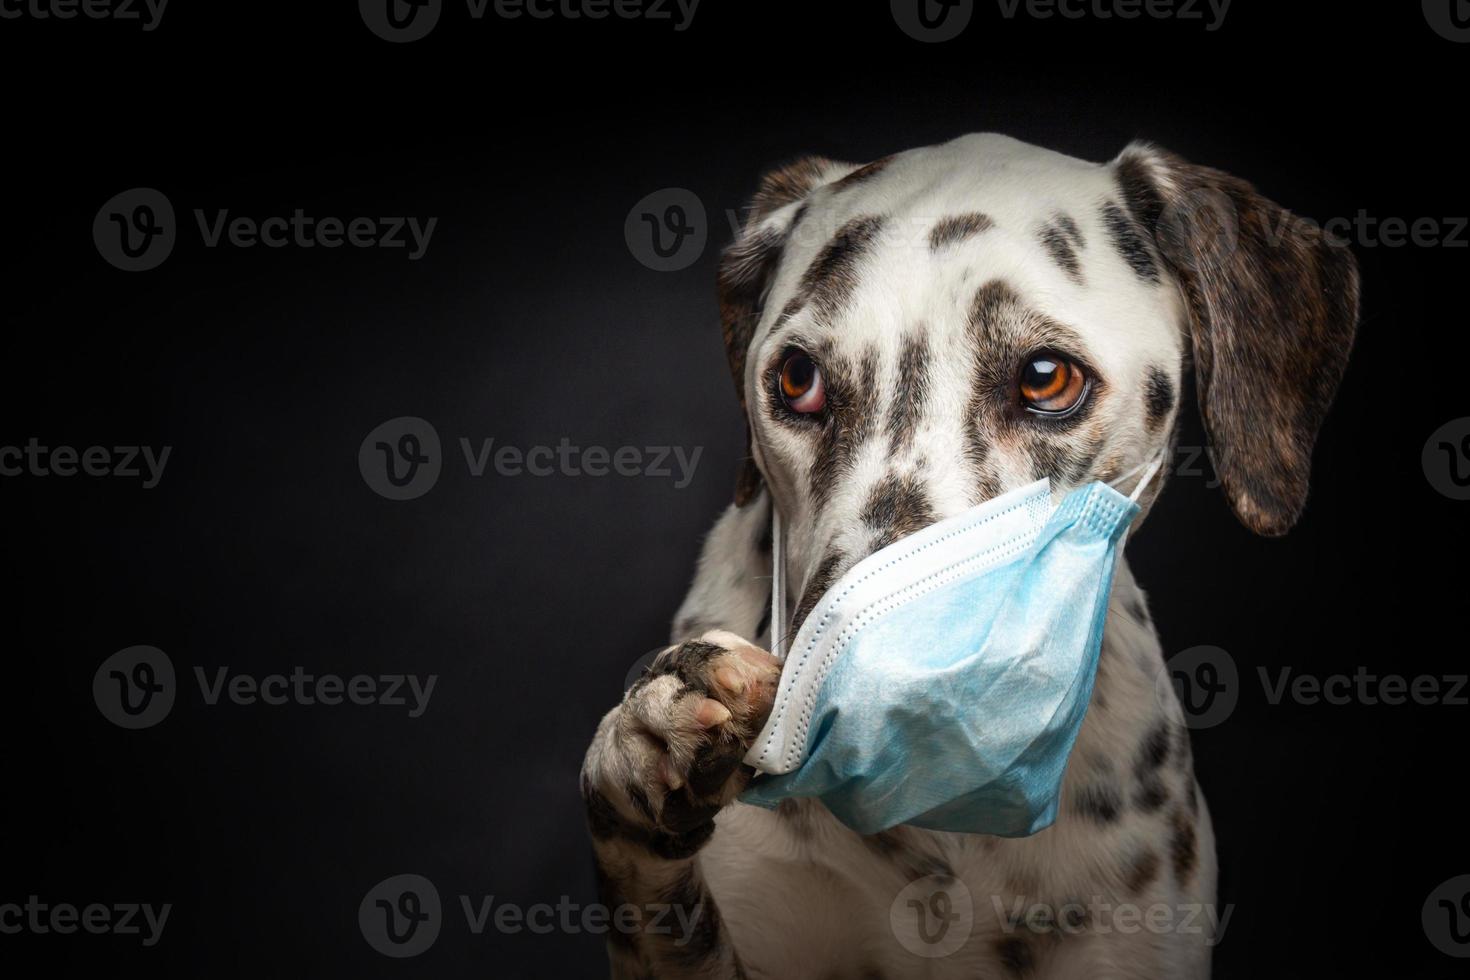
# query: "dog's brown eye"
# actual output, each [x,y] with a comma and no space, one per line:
[801,384]
[1052,385]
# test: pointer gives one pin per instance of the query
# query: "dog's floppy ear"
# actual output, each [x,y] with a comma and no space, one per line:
[1273,307]
[748,267]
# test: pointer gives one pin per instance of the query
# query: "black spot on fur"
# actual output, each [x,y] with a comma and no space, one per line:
[956,228]
[765,620]
[1140,194]
[831,278]
[1016,955]
[705,938]
[746,269]
[606,823]
[689,662]
[827,572]
[642,804]
[609,896]
[852,407]
[1154,750]
[603,819]
[1136,609]
[1144,871]
[1062,239]
[1130,243]
[1098,802]
[1183,751]
[1152,794]
[991,302]
[862,174]
[913,862]
[913,387]
[1183,846]
[1160,398]
[897,507]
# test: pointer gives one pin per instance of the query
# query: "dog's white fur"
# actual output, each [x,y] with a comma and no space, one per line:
[798,894]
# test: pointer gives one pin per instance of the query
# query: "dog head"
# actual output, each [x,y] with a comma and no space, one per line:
[915,336]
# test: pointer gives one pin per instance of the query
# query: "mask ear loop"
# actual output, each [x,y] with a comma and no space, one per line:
[1150,470]
[778,585]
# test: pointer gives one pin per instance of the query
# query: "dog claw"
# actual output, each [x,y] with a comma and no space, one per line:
[729,678]
[711,713]
[671,774]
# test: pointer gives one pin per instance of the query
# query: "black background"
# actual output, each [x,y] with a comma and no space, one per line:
[529,320]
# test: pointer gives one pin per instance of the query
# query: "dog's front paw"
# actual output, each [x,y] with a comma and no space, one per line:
[671,752]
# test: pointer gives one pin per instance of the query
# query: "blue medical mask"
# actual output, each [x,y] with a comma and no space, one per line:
[943,680]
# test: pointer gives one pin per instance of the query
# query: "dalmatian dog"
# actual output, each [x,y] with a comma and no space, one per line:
[909,339]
